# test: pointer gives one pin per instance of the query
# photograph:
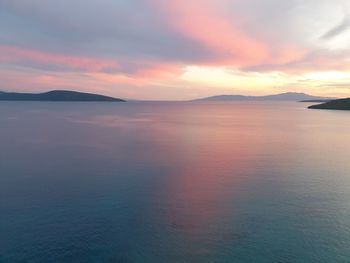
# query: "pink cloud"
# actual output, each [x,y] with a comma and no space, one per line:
[141,70]
[199,20]
[10,54]
[140,77]
[117,84]
[158,71]
[205,22]
[313,61]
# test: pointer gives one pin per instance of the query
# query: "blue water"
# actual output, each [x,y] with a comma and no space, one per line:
[173,182]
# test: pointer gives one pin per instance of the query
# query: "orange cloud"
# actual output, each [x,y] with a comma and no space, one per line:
[10,54]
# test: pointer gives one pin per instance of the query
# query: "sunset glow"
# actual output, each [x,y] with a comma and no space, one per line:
[176,49]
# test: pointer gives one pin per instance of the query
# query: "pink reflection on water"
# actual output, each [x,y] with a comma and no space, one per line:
[213,158]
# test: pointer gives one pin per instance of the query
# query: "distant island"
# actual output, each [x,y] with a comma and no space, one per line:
[55,95]
[317,101]
[289,96]
[341,104]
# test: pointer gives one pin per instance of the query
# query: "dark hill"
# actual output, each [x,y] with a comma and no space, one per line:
[55,95]
[341,104]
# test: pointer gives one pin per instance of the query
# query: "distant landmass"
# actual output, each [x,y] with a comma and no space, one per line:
[55,95]
[289,96]
[316,101]
[341,104]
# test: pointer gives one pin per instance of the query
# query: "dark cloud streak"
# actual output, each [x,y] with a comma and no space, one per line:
[338,29]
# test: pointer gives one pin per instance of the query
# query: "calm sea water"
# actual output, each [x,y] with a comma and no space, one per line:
[173,182]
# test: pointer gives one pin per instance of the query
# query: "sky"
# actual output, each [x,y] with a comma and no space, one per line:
[176,49]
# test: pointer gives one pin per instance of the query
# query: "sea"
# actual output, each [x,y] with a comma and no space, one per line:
[173,182]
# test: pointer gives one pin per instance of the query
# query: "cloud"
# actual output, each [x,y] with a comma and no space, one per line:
[40,59]
[185,32]
[227,35]
[200,21]
[338,29]
[145,44]
[130,29]
[317,60]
